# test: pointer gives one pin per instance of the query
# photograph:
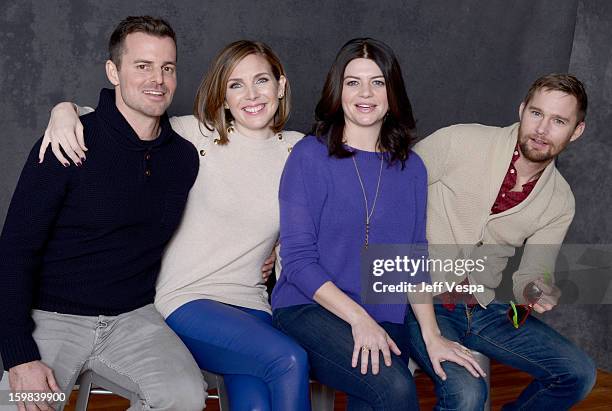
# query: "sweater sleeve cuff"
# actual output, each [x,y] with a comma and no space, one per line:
[18,350]
[310,279]
[519,287]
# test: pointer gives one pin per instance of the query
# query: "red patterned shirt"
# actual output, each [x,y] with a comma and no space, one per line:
[506,199]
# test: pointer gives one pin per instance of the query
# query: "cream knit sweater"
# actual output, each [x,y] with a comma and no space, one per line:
[231,221]
[466,165]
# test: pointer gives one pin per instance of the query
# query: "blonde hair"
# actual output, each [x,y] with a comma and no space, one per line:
[208,106]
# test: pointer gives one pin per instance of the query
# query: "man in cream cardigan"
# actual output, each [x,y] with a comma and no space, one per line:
[492,190]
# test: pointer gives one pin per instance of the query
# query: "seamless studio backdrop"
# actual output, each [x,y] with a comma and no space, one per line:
[464,61]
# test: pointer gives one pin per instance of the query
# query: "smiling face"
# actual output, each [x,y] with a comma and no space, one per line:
[146,79]
[252,95]
[548,124]
[364,94]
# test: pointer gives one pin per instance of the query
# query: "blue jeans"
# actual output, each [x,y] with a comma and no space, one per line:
[328,340]
[263,369]
[563,374]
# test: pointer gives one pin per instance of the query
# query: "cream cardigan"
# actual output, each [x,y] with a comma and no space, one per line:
[466,165]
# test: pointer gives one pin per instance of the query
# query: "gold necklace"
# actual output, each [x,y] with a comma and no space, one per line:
[368,212]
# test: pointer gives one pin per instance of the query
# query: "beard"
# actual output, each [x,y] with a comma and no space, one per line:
[535,155]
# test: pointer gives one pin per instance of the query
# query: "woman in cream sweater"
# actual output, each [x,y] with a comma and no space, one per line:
[210,288]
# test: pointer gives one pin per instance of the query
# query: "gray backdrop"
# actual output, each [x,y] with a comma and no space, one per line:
[463,61]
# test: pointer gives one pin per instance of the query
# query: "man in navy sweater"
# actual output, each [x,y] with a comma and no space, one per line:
[81,246]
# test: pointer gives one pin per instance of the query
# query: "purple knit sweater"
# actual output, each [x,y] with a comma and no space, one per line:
[322,221]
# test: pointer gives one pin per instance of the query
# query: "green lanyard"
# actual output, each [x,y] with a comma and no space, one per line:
[515,316]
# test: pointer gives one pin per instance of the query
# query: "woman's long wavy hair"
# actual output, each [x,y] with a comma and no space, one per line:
[210,98]
[395,137]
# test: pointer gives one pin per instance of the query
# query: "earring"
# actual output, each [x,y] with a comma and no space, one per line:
[226,106]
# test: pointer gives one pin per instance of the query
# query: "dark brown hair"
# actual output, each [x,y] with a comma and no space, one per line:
[136,24]
[565,83]
[395,137]
[210,98]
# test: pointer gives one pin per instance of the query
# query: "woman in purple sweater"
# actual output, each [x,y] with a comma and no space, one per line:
[355,182]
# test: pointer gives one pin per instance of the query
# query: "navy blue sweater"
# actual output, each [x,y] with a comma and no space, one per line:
[89,240]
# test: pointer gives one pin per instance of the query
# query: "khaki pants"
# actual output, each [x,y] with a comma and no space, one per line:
[136,350]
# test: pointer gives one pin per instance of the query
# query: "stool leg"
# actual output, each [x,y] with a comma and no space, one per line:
[487,370]
[412,366]
[222,391]
[485,364]
[215,381]
[321,397]
[84,388]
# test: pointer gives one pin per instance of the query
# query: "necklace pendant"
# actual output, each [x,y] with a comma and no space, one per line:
[368,212]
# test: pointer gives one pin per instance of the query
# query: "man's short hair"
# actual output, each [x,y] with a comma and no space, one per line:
[565,83]
[136,24]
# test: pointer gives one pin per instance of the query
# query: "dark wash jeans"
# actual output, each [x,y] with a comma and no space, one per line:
[328,340]
[563,374]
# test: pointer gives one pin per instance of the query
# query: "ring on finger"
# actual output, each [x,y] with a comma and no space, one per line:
[365,348]
[466,350]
